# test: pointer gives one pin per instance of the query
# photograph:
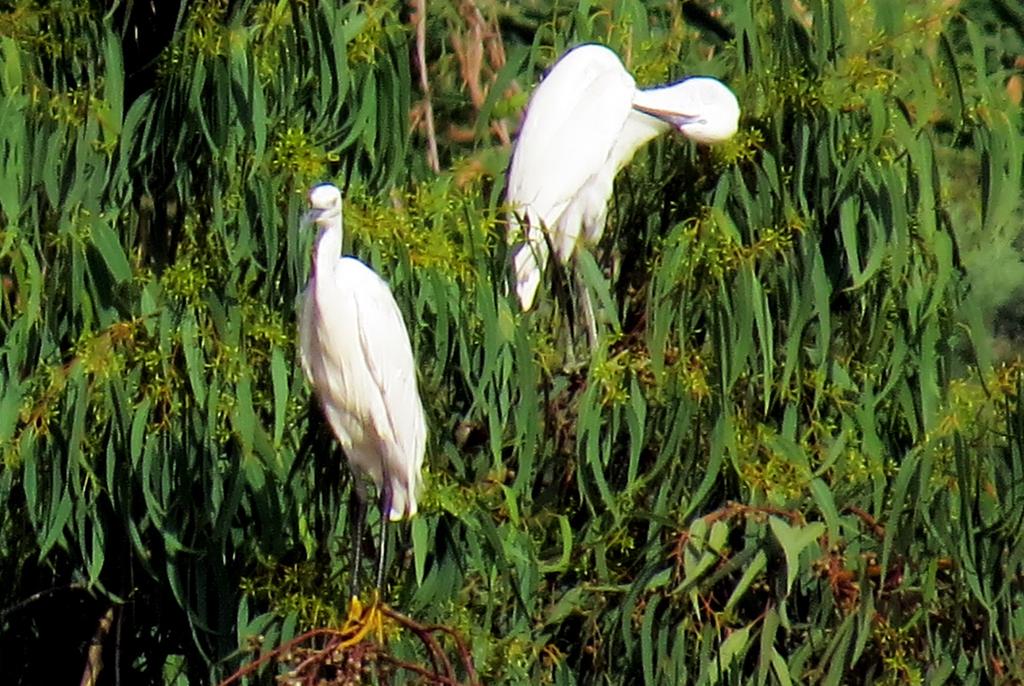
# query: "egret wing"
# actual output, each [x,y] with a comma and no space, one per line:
[384,341]
[572,122]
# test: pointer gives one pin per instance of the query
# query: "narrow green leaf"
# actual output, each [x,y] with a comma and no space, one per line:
[193,357]
[109,247]
[750,574]
[420,547]
[794,540]
[647,639]
[827,506]
[279,380]
[566,556]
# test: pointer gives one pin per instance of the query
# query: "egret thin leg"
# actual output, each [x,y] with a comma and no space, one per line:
[385,515]
[359,494]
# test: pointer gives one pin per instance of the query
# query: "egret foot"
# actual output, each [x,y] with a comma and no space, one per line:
[362,620]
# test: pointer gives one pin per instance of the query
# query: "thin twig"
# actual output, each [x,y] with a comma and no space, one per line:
[436,652]
[39,596]
[351,644]
[419,19]
[469,49]
[94,656]
[877,529]
[427,674]
[424,631]
[282,649]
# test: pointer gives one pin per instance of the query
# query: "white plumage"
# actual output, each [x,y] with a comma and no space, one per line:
[356,353]
[583,123]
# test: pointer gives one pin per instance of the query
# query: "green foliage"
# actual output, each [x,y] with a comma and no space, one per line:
[795,456]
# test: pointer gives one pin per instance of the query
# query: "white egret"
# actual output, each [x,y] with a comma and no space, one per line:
[356,353]
[583,123]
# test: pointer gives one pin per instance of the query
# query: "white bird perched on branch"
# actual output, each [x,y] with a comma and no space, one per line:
[356,353]
[583,123]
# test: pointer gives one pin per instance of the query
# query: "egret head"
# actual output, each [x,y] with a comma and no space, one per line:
[701,108]
[324,203]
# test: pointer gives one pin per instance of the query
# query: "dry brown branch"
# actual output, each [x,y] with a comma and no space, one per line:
[731,510]
[479,36]
[347,653]
[419,21]
[22,604]
[94,656]
[877,529]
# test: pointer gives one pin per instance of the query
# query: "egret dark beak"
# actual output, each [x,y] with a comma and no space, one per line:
[676,119]
[314,214]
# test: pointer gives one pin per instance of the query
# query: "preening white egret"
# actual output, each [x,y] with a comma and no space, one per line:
[583,123]
[356,353]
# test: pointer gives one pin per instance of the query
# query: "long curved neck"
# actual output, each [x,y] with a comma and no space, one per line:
[328,246]
[638,130]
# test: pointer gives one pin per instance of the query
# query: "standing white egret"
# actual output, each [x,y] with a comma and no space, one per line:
[583,123]
[356,353]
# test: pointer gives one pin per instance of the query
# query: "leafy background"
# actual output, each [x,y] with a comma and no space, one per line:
[796,455]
